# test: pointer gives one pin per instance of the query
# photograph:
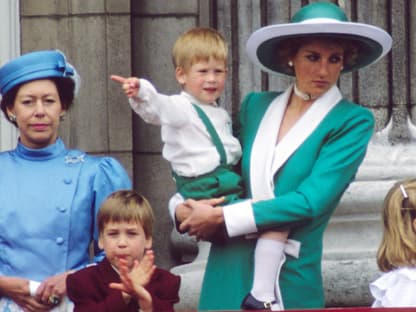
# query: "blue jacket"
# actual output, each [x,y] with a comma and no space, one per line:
[49,199]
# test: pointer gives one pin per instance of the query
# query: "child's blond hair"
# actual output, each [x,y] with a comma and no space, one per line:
[126,206]
[199,44]
[398,246]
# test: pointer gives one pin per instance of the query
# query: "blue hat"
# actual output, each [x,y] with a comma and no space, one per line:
[34,66]
[318,19]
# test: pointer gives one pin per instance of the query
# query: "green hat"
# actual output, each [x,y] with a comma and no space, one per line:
[319,19]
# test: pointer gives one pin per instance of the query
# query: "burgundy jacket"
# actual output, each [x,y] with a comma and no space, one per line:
[88,289]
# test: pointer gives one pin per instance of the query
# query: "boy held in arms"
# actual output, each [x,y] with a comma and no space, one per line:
[196,133]
[126,279]
[200,146]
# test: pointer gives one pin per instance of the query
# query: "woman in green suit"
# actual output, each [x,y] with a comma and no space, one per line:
[301,149]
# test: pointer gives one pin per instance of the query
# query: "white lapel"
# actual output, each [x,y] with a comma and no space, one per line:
[262,151]
[304,127]
[262,185]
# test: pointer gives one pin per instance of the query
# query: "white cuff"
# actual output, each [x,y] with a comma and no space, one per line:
[292,248]
[239,218]
[174,201]
[145,88]
[33,286]
[143,95]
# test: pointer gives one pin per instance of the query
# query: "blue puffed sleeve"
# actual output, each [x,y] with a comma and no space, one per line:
[110,177]
[99,177]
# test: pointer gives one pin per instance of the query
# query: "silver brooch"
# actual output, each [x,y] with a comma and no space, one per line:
[74,159]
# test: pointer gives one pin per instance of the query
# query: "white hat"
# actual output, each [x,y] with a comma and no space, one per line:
[319,19]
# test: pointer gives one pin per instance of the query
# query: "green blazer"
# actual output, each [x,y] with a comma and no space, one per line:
[307,189]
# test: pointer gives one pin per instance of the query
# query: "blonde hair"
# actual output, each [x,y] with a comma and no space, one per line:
[126,206]
[398,246]
[199,44]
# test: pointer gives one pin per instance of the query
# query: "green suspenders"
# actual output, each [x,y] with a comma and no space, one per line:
[214,135]
[222,181]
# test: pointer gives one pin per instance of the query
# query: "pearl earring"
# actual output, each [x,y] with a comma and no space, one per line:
[12,117]
[290,63]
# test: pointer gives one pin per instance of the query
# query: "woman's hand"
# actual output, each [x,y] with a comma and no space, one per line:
[205,219]
[17,289]
[52,289]
[182,212]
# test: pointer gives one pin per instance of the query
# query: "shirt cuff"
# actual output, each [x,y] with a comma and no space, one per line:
[33,287]
[239,218]
[145,88]
[143,95]
[174,201]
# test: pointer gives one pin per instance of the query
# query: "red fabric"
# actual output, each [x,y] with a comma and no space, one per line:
[88,289]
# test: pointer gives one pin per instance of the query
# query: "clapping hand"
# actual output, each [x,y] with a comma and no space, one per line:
[133,282]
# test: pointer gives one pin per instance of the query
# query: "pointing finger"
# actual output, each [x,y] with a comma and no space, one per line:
[118,79]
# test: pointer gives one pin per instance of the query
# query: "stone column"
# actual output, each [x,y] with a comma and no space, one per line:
[9,32]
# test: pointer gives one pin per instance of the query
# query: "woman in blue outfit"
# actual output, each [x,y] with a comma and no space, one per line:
[49,195]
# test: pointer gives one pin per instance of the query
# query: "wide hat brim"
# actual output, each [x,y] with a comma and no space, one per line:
[372,42]
[34,66]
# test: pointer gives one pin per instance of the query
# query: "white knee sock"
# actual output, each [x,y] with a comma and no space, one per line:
[267,258]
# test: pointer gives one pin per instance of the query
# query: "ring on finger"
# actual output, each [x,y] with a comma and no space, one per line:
[54,299]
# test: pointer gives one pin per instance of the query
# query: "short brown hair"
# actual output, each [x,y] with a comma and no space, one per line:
[199,44]
[126,206]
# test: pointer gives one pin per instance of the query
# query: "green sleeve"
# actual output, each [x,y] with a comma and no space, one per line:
[334,151]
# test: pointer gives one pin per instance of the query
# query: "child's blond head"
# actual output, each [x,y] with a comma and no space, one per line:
[126,206]
[398,246]
[199,44]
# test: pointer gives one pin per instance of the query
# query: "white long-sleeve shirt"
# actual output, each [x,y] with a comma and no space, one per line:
[187,145]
